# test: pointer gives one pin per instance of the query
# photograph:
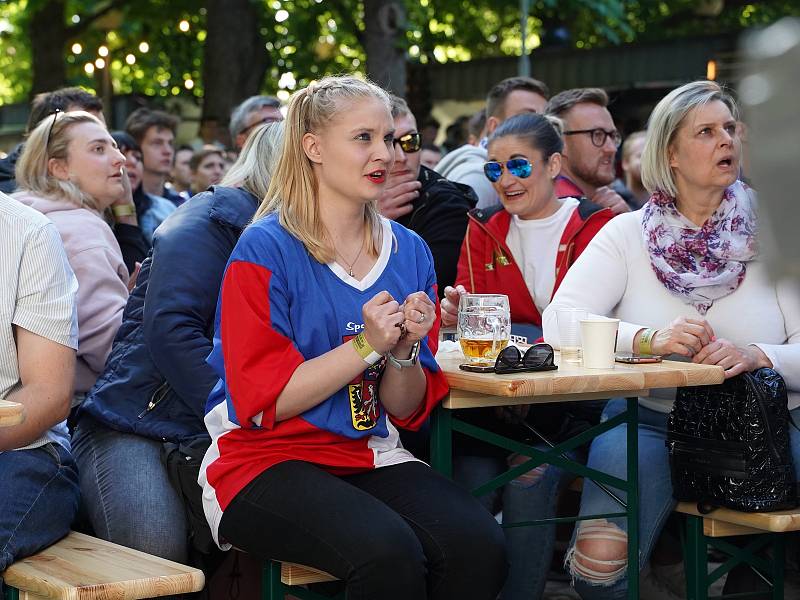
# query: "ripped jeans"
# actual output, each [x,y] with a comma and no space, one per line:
[530,497]
[605,577]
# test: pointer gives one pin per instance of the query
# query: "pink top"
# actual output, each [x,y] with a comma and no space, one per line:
[95,256]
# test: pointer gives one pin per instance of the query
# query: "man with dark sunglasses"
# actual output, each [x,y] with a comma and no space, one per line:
[424,201]
[590,147]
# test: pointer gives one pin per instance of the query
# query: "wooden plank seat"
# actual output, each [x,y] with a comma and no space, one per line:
[80,567]
[11,413]
[282,578]
[724,521]
[293,574]
[765,531]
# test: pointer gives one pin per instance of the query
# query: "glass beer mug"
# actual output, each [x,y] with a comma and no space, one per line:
[484,326]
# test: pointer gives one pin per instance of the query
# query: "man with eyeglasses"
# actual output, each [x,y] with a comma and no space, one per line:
[590,147]
[424,201]
[255,111]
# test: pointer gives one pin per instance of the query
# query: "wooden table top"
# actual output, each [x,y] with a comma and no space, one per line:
[11,413]
[569,382]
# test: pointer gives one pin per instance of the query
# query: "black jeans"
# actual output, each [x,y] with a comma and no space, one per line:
[402,532]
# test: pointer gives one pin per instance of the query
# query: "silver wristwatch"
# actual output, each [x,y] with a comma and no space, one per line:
[400,364]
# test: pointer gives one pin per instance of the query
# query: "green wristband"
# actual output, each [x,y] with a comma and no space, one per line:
[646,340]
[365,351]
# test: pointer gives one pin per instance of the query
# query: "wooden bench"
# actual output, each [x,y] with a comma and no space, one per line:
[80,567]
[707,530]
[281,578]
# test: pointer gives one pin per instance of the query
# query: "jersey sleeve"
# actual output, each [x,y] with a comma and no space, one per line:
[254,335]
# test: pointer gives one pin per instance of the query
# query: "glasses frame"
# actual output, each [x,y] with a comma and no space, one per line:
[264,121]
[511,360]
[409,143]
[56,112]
[518,167]
[595,134]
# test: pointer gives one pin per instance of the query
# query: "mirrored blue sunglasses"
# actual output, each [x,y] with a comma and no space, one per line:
[518,167]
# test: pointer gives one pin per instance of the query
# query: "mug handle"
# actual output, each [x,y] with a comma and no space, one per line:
[497,330]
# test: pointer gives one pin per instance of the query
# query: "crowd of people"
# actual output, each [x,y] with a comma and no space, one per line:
[215,353]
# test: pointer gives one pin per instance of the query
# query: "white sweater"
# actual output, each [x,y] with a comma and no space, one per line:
[613,277]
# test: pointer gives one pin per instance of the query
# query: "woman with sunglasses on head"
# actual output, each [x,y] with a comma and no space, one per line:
[139,434]
[72,171]
[326,331]
[523,249]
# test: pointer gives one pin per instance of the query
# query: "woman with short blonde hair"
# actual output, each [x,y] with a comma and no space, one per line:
[684,277]
[666,118]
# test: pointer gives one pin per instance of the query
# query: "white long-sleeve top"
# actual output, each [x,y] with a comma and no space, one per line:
[613,277]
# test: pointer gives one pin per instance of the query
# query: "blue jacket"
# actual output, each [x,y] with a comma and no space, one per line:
[156,380]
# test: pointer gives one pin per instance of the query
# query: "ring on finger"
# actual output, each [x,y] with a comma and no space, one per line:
[422,318]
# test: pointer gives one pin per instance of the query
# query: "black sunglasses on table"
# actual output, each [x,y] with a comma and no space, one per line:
[538,357]
[410,142]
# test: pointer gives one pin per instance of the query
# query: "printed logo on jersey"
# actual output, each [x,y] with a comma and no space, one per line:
[363,395]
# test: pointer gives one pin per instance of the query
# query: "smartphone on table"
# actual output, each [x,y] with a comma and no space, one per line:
[636,359]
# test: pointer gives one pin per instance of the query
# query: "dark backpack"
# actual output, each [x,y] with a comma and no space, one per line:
[729,444]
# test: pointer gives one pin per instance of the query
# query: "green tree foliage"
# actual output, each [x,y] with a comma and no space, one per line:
[155,47]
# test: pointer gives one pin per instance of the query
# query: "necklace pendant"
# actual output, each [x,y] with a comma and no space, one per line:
[350,272]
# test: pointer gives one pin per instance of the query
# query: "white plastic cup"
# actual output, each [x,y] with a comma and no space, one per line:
[569,333]
[599,338]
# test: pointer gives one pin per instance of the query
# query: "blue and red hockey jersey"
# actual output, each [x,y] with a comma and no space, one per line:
[279,307]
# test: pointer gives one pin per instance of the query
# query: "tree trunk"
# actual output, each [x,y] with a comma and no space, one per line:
[48,35]
[385,44]
[234,58]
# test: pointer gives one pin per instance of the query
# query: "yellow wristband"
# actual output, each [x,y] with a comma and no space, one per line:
[365,351]
[123,210]
[646,340]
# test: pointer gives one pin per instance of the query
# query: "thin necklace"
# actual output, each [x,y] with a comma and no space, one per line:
[350,265]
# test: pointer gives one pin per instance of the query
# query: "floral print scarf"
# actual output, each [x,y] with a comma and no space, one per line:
[701,264]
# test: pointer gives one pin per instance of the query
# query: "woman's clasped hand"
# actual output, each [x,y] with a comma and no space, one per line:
[387,323]
[695,339]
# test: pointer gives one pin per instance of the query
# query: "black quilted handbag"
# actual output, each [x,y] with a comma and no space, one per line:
[729,444]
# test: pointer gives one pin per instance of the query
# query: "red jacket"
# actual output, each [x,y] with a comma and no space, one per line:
[487,267]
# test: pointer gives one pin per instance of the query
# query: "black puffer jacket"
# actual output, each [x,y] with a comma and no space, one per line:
[440,218]
[8,179]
